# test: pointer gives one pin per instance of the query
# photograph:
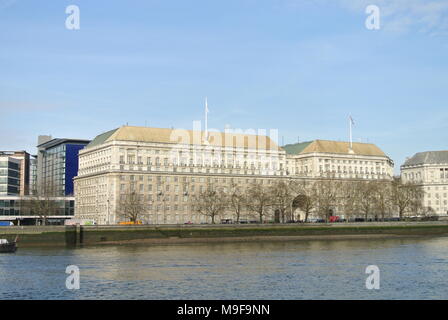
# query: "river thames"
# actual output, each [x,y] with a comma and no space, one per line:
[414,268]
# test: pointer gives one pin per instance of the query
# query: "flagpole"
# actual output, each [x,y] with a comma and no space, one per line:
[206,120]
[350,120]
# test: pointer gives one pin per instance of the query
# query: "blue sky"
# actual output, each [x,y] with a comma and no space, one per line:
[297,66]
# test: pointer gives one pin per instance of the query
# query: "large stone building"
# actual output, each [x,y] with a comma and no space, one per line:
[430,171]
[166,166]
[336,159]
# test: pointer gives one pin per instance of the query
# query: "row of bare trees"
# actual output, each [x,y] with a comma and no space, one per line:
[282,200]
[323,198]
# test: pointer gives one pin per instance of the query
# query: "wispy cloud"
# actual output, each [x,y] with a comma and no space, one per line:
[6,3]
[421,15]
[400,16]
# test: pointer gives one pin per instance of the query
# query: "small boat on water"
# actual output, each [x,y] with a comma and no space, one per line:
[8,247]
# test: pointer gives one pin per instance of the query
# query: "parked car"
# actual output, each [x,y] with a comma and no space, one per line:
[430,218]
[334,219]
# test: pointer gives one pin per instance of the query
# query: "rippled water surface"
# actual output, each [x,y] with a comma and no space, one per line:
[410,269]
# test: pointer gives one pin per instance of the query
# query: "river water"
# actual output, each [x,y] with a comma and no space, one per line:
[409,269]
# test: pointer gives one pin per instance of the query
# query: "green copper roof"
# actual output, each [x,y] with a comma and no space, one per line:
[296,148]
[100,139]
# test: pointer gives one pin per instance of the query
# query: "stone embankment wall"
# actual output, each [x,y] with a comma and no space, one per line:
[93,235]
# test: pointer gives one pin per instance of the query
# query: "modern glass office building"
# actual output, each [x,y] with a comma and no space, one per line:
[57,165]
[9,176]
[14,172]
[22,211]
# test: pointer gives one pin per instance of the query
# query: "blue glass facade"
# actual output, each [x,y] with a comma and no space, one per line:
[59,158]
[71,165]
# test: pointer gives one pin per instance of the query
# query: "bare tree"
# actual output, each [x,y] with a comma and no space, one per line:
[406,196]
[417,206]
[211,202]
[132,206]
[42,202]
[259,199]
[282,198]
[366,197]
[383,203]
[327,196]
[237,200]
[348,198]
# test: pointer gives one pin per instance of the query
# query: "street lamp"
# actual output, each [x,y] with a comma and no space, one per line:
[108,212]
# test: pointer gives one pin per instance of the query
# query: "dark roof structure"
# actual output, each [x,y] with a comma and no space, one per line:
[57,141]
[428,157]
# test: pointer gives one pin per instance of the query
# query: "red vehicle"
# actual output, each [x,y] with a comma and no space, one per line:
[335,219]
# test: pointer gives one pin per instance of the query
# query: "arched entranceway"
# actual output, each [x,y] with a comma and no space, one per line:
[302,203]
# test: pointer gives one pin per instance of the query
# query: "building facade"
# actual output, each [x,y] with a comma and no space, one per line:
[19,210]
[14,173]
[57,165]
[46,177]
[430,171]
[33,174]
[166,167]
[338,160]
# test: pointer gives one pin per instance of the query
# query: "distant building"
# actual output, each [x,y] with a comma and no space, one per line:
[335,159]
[33,174]
[47,176]
[429,170]
[14,173]
[16,209]
[57,164]
[166,171]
